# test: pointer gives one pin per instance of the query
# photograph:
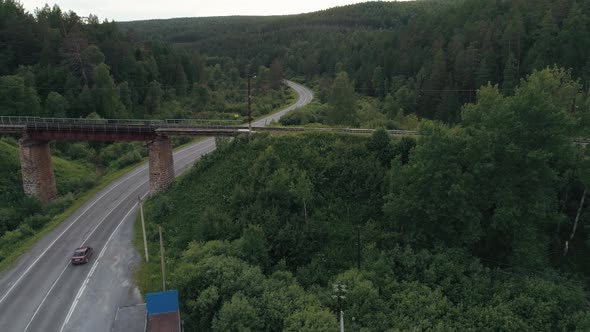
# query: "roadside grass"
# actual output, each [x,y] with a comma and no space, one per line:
[82,198]
[27,244]
[147,274]
[291,100]
[293,96]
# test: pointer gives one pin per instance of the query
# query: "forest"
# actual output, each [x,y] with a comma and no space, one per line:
[423,57]
[480,223]
[476,227]
[57,64]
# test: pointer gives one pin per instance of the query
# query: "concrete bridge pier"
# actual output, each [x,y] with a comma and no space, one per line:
[37,169]
[161,164]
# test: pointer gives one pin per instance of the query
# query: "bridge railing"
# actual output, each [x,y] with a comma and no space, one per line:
[16,120]
[31,120]
[213,124]
[112,124]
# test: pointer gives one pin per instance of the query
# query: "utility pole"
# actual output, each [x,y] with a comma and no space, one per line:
[162,261]
[249,106]
[250,103]
[358,246]
[143,229]
[340,290]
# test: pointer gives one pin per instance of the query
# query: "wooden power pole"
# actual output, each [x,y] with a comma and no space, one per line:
[162,260]
[143,230]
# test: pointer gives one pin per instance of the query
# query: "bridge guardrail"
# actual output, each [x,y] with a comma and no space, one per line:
[114,124]
[14,123]
[16,120]
[127,125]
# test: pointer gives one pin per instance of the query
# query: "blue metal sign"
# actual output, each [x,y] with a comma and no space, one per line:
[162,302]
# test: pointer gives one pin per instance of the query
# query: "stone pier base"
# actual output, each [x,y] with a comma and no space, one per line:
[37,169]
[161,164]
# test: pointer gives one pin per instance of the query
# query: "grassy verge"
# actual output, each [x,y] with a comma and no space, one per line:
[146,274]
[292,99]
[27,244]
[293,96]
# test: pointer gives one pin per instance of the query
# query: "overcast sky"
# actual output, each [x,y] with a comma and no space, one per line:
[127,10]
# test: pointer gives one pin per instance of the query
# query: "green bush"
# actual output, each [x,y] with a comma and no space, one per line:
[127,159]
[37,221]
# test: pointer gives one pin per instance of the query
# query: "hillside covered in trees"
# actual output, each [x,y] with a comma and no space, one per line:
[428,56]
[478,227]
[478,224]
[57,64]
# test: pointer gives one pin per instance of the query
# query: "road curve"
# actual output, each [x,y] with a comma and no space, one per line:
[44,292]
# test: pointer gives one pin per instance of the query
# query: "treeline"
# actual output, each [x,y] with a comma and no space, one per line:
[429,56]
[478,227]
[57,64]
[337,104]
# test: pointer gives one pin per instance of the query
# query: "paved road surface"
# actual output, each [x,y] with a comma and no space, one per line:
[44,292]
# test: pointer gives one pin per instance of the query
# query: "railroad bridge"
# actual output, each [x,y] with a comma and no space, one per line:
[36,134]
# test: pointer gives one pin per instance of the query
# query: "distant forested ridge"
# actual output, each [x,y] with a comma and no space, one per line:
[430,56]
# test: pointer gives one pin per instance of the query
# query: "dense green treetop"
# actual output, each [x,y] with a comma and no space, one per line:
[99,70]
[463,228]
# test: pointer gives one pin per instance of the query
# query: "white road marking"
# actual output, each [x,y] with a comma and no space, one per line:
[85,283]
[45,298]
[208,147]
[60,275]
[62,272]
[62,233]
[108,214]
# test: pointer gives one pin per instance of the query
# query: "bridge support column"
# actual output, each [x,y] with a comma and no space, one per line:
[161,164]
[37,169]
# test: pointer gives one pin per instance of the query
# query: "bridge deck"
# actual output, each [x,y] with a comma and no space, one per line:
[144,130]
[12,129]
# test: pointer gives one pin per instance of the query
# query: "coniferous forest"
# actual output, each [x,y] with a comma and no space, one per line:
[55,63]
[425,58]
[479,223]
[477,227]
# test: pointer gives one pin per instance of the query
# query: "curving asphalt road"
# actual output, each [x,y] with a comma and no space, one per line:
[44,292]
